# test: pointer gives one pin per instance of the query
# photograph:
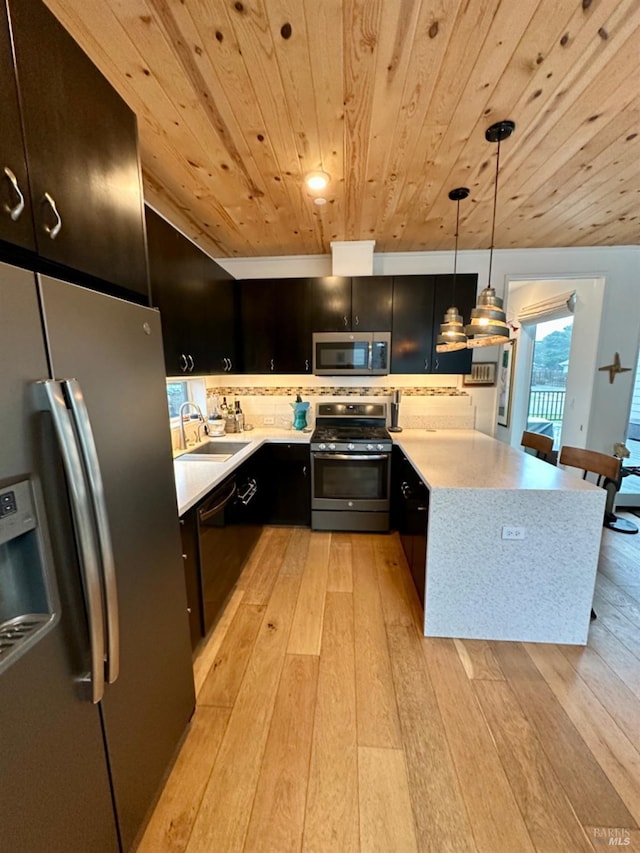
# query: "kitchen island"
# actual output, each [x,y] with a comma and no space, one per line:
[481,586]
[478,585]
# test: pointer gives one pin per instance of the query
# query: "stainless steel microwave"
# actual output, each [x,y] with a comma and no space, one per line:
[351,353]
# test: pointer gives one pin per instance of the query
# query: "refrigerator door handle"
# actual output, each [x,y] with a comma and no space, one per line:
[96,493]
[51,398]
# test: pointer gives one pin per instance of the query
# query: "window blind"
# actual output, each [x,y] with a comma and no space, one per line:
[553,308]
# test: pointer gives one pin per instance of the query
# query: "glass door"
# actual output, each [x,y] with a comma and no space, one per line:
[547,390]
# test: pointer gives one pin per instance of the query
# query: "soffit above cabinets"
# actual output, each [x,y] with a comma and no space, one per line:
[237,101]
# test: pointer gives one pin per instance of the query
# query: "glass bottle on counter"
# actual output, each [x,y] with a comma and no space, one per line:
[239,417]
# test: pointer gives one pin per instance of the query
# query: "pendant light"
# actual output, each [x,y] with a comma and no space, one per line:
[488,324]
[452,336]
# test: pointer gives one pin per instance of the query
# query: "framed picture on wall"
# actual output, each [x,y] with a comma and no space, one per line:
[505,382]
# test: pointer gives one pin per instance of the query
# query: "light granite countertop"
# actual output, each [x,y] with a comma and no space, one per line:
[444,459]
[195,478]
[468,459]
[481,585]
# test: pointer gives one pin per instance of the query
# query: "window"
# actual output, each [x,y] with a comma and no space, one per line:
[177,394]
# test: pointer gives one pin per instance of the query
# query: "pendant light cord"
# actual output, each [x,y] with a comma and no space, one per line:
[455,253]
[495,204]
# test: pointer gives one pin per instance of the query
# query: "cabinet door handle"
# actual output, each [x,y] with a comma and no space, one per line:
[357,320]
[306,364]
[191,364]
[55,230]
[426,364]
[184,364]
[230,364]
[272,365]
[437,363]
[345,321]
[226,363]
[14,212]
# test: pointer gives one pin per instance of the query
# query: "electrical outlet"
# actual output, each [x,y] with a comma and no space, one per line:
[513,532]
[268,420]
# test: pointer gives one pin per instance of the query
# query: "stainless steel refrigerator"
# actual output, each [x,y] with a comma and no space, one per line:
[96,683]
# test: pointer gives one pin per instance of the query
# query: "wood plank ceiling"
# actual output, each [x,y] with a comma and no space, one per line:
[238,99]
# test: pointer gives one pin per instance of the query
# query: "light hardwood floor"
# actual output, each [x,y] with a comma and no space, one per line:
[327,722]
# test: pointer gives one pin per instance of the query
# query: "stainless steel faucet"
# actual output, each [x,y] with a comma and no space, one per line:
[183,408]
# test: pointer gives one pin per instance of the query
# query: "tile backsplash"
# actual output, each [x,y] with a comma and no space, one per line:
[233,391]
[430,407]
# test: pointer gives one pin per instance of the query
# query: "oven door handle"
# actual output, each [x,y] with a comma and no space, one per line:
[353,457]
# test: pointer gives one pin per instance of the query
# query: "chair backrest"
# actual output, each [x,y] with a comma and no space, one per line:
[542,444]
[591,461]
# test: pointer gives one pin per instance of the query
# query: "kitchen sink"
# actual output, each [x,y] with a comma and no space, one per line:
[214,451]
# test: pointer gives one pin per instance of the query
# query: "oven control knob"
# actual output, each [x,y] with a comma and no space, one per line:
[370,447]
[351,447]
[381,447]
[322,446]
[332,447]
[349,503]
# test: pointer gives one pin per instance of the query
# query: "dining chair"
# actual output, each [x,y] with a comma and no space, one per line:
[606,471]
[542,444]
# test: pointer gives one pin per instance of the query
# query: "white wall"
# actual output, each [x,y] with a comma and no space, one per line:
[617,318]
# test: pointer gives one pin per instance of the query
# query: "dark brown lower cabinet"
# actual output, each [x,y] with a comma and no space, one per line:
[287,484]
[411,515]
[189,539]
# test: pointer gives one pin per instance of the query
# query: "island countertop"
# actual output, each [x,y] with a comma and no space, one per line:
[467,459]
[481,583]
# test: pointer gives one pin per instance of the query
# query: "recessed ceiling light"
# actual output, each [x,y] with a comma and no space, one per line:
[317,180]
[319,201]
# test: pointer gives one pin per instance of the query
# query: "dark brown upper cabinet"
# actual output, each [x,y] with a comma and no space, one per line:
[81,153]
[419,304]
[278,317]
[196,300]
[275,318]
[464,298]
[371,301]
[16,226]
[361,304]
[330,299]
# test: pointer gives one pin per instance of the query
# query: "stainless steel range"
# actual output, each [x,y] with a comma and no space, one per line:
[350,467]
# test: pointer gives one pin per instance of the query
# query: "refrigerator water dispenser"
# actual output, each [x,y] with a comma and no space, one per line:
[25,602]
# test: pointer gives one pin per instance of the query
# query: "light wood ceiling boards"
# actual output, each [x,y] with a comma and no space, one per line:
[238,99]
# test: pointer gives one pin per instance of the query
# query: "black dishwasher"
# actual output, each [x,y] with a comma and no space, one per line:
[227,532]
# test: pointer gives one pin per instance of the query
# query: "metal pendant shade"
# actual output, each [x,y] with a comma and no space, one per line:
[488,324]
[452,336]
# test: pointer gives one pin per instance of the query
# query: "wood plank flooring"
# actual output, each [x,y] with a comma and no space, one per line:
[327,722]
